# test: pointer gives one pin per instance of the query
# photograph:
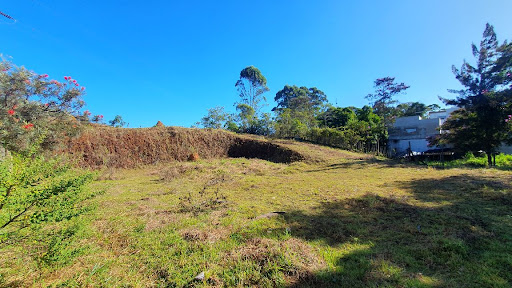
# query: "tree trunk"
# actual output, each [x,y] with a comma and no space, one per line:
[489,158]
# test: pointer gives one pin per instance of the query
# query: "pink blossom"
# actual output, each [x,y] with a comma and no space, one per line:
[83,88]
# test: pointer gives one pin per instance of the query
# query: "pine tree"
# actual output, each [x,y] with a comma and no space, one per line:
[482,120]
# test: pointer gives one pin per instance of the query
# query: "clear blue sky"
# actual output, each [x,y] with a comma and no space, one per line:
[172,60]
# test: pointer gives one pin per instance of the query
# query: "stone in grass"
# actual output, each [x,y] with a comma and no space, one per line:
[270,215]
[199,277]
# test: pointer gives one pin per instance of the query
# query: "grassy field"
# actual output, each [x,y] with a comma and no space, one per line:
[349,220]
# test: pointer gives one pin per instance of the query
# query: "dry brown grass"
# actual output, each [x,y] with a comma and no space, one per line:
[128,148]
[117,147]
[170,173]
[300,260]
[210,235]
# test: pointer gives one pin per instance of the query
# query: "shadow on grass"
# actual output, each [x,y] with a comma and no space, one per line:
[455,231]
[393,163]
[448,165]
[364,163]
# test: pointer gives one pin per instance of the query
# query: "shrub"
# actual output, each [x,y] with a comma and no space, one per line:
[35,109]
[34,190]
[503,160]
[340,138]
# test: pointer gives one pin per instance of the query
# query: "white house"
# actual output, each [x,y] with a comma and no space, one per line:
[412,132]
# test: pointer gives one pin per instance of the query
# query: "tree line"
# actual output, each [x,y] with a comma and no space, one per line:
[304,113]
[482,121]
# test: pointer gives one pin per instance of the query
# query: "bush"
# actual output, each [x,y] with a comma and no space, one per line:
[35,109]
[34,190]
[344,139]
[503,161]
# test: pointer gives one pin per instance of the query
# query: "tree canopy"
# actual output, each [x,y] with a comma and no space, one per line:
[335,117]
[485,103]
[382,100]
[117,121]
[251,86]
[415,109]
[299,98]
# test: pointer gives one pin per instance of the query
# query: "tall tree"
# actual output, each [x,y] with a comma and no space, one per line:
[251,86]
[383,99]
[485,103]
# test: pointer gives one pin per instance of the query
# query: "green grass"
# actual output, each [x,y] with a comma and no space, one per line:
[503,161]
[350,221]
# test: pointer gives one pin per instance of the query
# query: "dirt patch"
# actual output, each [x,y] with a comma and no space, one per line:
[249,148]
[210,235]
[269,215]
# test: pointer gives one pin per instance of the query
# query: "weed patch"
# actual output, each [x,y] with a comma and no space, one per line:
[207,199]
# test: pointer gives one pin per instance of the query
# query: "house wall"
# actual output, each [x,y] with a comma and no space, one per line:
[441,114]
[400,147]
[506,149]
[413,131]
[414,128]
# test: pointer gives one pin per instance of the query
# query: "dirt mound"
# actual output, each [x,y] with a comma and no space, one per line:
[249,148]
[131,147]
